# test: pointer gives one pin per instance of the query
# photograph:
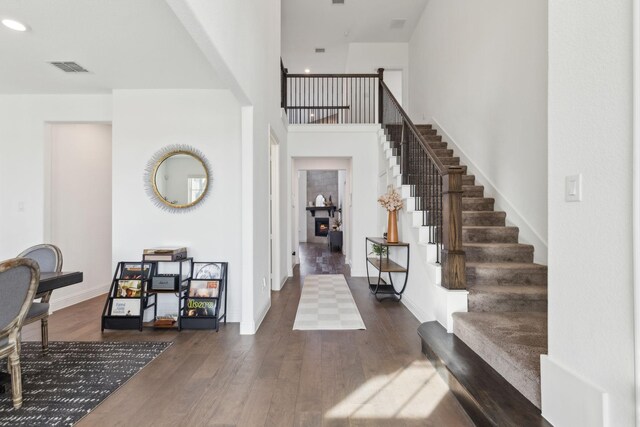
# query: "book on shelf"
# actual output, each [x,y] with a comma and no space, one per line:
[135,271]
[207,270]
[204,288]
[164,250]
[165,257]
[200,308]
[129,288]
[125,307]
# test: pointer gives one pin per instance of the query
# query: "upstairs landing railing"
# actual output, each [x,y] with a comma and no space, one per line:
[365,98]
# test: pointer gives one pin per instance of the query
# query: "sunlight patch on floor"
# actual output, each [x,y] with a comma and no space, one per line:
[412,392]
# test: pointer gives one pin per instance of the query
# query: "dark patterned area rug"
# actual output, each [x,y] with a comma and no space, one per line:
[66,384]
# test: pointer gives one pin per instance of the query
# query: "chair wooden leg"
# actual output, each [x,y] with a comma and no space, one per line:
[16,379]
[45,334]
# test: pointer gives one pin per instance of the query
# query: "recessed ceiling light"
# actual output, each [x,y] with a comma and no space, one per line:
[306,70]
[312,115]
[14,25]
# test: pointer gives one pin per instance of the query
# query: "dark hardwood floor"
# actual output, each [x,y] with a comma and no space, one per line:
[278,377]
[315,258]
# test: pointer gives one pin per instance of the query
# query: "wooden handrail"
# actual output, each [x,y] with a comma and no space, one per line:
[450,204]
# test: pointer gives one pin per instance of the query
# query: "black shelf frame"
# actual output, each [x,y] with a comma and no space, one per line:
[126,322]
[207,322]
[148,298]
[382,264]
[180,293]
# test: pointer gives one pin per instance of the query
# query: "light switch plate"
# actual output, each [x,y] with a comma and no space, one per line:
[573,188]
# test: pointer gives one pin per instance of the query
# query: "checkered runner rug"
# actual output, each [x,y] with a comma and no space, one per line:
[326,303]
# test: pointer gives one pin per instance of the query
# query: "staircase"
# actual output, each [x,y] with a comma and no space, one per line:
[506,322]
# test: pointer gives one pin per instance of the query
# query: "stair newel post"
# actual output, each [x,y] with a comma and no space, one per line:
[283,85]
[453,257]
[380,92]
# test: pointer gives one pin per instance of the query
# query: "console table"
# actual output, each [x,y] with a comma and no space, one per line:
[381,262]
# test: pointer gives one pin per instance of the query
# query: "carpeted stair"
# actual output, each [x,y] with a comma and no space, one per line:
[507,320]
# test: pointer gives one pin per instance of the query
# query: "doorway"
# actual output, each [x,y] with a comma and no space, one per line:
[321,212]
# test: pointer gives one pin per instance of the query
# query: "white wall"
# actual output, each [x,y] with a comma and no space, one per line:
[23,120]
[368,57]
[479,71]
[144,121]
[241,40]
[78,218]
[590,243]
[360,144]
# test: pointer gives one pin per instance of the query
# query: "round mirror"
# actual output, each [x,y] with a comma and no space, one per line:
[178,178]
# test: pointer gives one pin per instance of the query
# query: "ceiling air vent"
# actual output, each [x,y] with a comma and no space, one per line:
[337,1]
[69,67]
[319,50]
[397,24]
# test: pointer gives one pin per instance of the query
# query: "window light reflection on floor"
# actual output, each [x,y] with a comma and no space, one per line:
[412,392]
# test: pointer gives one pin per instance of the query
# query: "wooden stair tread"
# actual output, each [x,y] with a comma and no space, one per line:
[486,396]
[507,265]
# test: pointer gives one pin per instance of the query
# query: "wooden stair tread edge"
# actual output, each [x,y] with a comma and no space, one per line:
[522,289]
[487,397]
[505,245]
[507,265]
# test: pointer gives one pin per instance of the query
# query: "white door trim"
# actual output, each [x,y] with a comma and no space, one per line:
[636,197]
[274,211]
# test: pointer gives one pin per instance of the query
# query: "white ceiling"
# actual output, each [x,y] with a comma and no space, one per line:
[307,24]
[125,44]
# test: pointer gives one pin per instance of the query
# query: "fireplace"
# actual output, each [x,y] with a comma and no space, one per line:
[322,227]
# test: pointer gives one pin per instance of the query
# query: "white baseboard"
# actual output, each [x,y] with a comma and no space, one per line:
[527,233]
[78,297]
[569,400]
[247,328]
[414,308]
[449,302]
[250,328]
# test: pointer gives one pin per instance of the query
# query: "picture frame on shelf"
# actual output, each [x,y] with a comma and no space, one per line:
[129,289]
[135,271]
[125,307]
[204,288]
[207,270]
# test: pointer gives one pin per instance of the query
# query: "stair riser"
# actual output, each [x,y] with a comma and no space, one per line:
[472,191]
[484,218]
[488,276]
[477,205]
[440,152]
[491,302]
[468,179]
[440,144]
[490,235]
[511,254]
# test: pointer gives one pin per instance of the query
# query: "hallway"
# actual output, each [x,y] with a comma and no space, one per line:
[315,258]
[278,377]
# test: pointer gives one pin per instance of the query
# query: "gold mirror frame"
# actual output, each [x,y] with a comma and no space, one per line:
[154,163]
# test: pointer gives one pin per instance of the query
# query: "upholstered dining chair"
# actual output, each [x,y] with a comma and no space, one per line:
[49,259]
[19,279]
